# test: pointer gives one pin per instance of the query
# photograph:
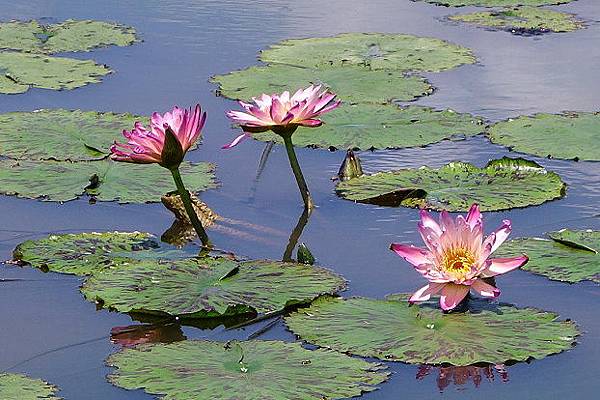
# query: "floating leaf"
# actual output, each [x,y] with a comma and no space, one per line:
[68,36]
[374,51]
[18,35]
[21,71]
[567,136]
[496,3]
[501,185]
[251,370]
[105,180]
[523,20]
[16,386]
[83,253]
[351,84]
[209,286]
[571,256]
[370,126]
[392,330]
[85,35]
[58,134]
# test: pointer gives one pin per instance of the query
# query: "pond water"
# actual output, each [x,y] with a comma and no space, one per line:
[48,330]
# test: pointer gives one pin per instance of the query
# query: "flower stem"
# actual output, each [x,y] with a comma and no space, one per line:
[189,208]
[308,202]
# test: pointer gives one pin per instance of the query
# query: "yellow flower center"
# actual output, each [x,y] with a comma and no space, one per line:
[458,262]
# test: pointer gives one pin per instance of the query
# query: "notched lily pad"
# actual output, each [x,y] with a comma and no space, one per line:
[59,134]
[496,3]
[250,370]
[502,184]
[209,286]
[21,387]
[375,51]
[20,71]
[83,253]
[568,256]
[352,84]
[104,180]
[392,330]
[68,36]
[570,135]
[371,126]
[523,20]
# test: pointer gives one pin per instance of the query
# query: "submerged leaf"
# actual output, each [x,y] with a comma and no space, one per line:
[392,330]
[250,370]
[570,256]
[501,185]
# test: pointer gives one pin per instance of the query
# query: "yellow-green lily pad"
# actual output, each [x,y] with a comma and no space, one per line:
[523,20]
[570,135]
[376,126]
[502,184]
[372,51]
[352,84]
[393,330]
[20,71]
[21,387]
[567,256]
[251,370]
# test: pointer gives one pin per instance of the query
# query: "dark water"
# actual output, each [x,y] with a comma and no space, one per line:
[47,329]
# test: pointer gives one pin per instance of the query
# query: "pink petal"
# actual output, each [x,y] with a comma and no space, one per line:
[498,266]
[446,222]
[428,222]
[452,294]
[312,123]
[474,216]
[412,254]
[484,289]
[501,234]
[426,291]
[236,141]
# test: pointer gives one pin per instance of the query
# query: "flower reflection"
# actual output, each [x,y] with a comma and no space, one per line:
[460,376]
[133,335]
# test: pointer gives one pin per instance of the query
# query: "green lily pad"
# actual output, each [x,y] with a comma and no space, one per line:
[21,71]
[496,3]
[58,134]
[502,184]
[374,51]
[523,20]
[567,136]
[68,36]
[370,126]
[392,330]
[570,256]
[16,386]
[351,84]
[83,253]
[209,286]
[251,370]
[105,180]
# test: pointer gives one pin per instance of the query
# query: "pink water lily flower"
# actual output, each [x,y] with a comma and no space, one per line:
[146,145]
[283,112]
[457,257]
